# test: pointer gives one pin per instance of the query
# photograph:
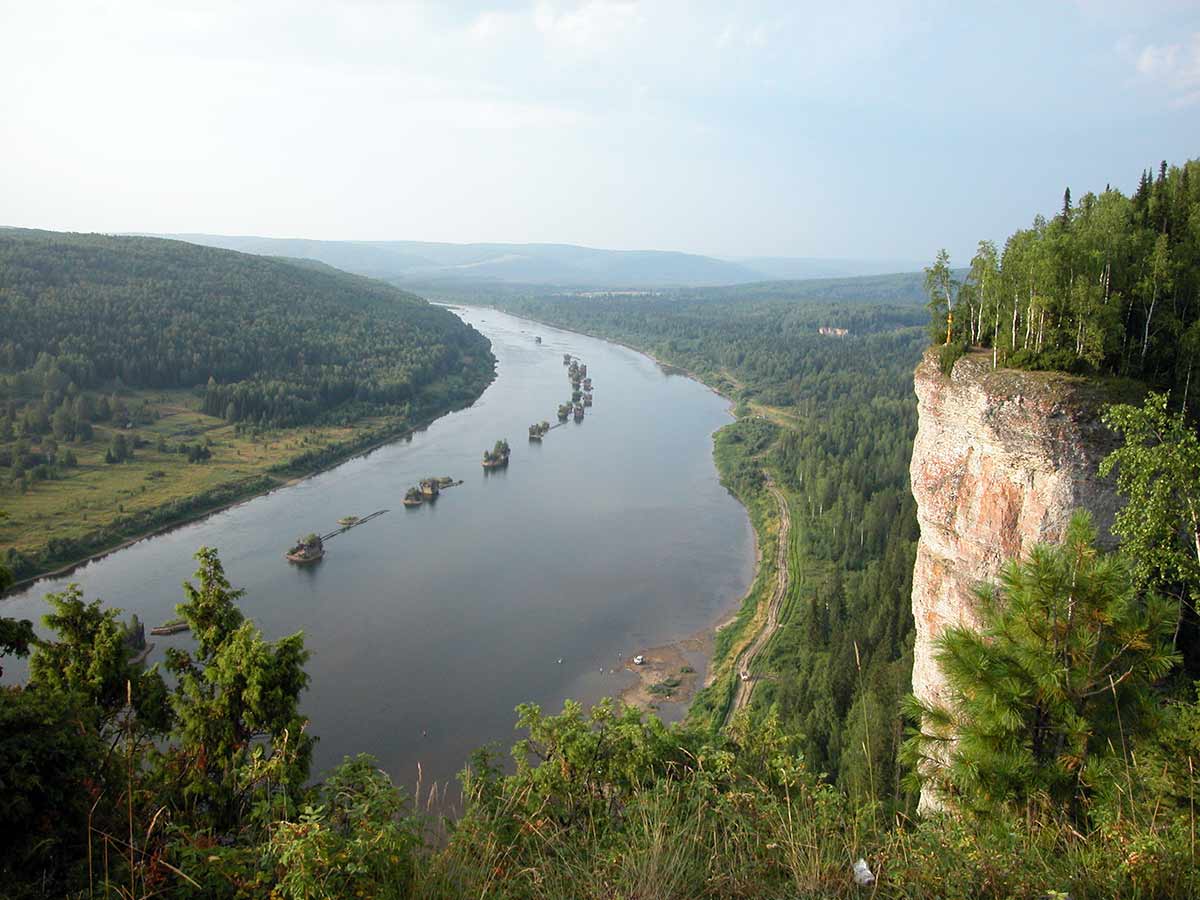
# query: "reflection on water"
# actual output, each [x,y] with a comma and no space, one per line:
[427,626]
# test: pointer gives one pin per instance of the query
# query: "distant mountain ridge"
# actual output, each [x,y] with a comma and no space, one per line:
[559,264]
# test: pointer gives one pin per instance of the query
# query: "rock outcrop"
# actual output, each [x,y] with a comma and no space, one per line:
[1001,460]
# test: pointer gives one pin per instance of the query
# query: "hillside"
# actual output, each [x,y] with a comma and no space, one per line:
[143,381]
[284,343]
[539,264]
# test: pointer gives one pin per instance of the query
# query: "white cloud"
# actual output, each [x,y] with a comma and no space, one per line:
[488,115]
[752,35]
[1173,66]
[494,26]
[590,27]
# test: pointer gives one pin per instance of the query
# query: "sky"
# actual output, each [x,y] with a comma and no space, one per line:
[850,129]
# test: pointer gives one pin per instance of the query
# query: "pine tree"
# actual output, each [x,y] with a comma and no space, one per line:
[1060,669]
[90,660]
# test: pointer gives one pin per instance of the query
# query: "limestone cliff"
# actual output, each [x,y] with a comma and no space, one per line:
[1000,461]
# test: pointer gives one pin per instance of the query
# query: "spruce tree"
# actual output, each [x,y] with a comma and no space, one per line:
[239,748]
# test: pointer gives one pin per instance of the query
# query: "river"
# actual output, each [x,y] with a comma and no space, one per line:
[428,626]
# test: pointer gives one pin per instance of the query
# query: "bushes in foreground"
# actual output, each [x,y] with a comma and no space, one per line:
[199,788]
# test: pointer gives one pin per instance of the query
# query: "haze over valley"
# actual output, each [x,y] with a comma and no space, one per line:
[558,264]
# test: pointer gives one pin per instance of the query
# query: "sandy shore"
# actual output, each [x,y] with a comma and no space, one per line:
[676,660]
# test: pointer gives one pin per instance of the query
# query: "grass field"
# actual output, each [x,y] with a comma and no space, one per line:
[96,496]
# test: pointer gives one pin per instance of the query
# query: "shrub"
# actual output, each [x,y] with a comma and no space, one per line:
[948,355]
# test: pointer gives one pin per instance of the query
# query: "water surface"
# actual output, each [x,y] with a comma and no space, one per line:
[428,626]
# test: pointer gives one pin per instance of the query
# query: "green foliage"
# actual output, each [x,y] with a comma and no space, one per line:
[943,289]
[275,343]
[613,804]
[358,836]
[1158,472]
[1046,691]
[16,635]
[49,780]
[948,355]
[1107,286]
[238,747]
[90,660]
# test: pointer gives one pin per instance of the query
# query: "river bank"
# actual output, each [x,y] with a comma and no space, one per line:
[533,584]
[668,368]
[669,673]
[186,509]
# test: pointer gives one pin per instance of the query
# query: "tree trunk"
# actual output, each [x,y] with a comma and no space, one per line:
[996,337]
[1014,330]
[1146,331]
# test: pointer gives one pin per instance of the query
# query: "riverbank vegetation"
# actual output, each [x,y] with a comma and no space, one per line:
[144,381]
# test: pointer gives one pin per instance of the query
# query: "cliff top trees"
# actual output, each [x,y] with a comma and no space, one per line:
[943,288]
[1111,285]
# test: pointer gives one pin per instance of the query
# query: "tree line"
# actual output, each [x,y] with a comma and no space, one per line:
[1110,285]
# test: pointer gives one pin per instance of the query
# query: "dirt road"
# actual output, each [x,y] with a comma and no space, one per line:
[745,683]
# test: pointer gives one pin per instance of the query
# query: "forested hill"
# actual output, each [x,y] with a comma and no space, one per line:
[276,343]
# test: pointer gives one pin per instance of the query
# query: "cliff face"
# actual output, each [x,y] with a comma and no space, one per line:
[1000,462]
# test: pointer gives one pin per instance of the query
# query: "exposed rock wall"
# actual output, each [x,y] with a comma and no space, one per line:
[1001,460]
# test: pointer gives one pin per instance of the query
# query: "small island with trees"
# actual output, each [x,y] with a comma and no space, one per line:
[497,457]
[307,549]
[428,490]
